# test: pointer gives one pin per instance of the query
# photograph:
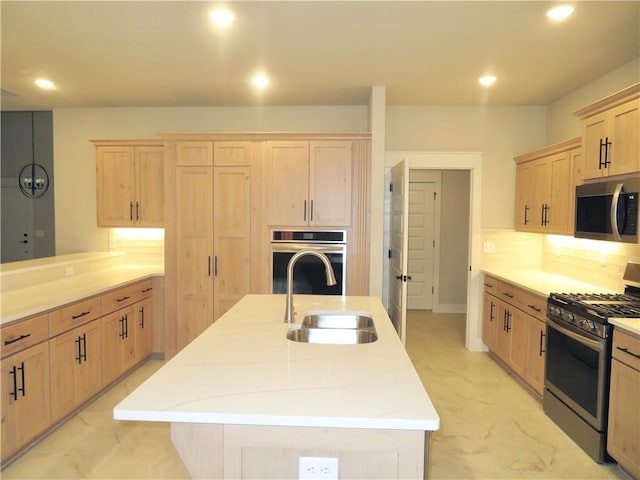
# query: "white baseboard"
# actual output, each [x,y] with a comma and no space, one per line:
[450,308]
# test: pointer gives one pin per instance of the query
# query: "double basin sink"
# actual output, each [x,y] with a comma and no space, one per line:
[348,328]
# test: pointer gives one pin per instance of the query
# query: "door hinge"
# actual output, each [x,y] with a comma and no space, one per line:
[434,195]
[433,290]
[390,254]
[391,187]
[434,244]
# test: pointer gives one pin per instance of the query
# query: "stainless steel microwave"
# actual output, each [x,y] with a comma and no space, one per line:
[608,210]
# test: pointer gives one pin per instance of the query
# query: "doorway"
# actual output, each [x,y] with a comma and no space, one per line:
[471,162]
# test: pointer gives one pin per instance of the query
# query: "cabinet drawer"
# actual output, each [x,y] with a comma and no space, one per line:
[507,292]
[24,333]
[121,297]
[490,284]
[73,315]
[144,289]
[626,348]
[532,304]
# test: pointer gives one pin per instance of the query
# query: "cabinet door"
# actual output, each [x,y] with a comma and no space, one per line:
[330,183]
[517,328]
[26,406]
[489,321]
[541,195]
[194,153]
[535,356]
[232,236]
[288,183]
[502,345]
[118,343]
[594,130]
[562,195]
[88,372]
[524,196]
[194,247]
[149,211]
[624,417]
[143,325]
[624,130]
[116,186]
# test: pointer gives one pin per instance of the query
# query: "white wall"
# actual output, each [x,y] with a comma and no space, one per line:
[74,155]
[500,133]
[563,125]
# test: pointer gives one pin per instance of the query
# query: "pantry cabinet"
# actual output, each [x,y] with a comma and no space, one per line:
[26,407]
[623,435]
[514,320]
[76,368]
[213,205]
[309,183]
[545,189]
[611,134]
[130,183]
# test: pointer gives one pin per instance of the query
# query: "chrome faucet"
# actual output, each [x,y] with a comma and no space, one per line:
[331,278]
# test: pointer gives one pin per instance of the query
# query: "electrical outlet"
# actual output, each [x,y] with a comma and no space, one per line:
[488,247]
[68,271]
[113,243]
[318,468]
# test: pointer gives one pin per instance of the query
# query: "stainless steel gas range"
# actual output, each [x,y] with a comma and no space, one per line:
[576,393]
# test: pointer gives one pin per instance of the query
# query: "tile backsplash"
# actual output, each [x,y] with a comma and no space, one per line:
[595,262]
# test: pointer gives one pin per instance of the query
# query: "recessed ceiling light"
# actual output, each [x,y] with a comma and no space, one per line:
[560,12]
[260,81]
[44,83]
[487,80]
[222,17]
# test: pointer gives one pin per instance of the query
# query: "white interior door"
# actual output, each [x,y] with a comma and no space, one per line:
[421,245]
[398,240]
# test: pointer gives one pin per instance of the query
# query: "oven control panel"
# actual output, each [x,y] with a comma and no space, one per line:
[583,323]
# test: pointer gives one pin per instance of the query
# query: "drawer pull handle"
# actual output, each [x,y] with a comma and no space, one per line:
[533,307]
[145,290]
[80,315]
[122,299]
[506,294]
[490,285]
[17,339]
[626,350]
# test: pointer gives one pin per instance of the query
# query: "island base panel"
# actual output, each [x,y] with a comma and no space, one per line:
[254,451]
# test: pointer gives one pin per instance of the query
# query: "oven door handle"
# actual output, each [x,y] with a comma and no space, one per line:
[596,345]
[296,247]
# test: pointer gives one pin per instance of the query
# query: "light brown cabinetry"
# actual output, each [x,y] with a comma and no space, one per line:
[309,183]
[130,183]
[25,404]
[545,189]
[76,368]
[623,434]
[213,206]
[514,329]
[611,134]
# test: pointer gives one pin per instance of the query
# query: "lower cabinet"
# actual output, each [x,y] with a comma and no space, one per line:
[623,435]
[118,343]
[513,329]
[76,368]
[26,407]
[143,329]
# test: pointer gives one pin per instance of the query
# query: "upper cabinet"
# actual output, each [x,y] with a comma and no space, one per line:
[309,183]
[545,187]
[611,134]
[130,183]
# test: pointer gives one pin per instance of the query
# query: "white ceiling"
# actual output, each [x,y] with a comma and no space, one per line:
[168,53]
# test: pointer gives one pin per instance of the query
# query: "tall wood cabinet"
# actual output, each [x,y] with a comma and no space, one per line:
[611,134]
[130,185]
[545,188]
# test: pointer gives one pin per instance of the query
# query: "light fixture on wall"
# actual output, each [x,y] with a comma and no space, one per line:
[33,179]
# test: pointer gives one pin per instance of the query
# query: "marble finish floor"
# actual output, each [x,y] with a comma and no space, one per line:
[491,427]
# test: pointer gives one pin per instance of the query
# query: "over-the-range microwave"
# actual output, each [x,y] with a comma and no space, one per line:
[608,210]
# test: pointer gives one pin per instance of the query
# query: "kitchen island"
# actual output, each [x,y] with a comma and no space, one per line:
[243,401]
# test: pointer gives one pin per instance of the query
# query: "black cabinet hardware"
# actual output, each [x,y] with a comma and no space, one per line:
[491,309]
[124,327]
[14,373]
[145,290]
[131,211]
[533,307]
[137,211]
[304,215]
[603,160]
[507,294]
[311,215]
[141,311]
[209,266]
[526,214]
[80,315]
[542,336]
[626,350]
[17,339]
[122,299]
[81,341]
[215,266]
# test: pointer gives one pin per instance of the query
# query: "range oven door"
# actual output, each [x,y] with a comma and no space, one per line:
[577,371]
[309,275]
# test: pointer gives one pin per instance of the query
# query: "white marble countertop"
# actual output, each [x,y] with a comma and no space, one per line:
[243,370]
[23,302]
[543,283]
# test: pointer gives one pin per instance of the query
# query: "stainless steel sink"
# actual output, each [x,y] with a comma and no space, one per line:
[336,336]
[337,320]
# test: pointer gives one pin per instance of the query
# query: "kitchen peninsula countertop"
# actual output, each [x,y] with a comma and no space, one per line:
[30,300]
[242,370]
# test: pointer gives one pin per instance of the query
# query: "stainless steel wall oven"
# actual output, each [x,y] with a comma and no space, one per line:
[309,272]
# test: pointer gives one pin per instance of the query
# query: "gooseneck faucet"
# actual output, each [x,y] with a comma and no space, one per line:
[331,278]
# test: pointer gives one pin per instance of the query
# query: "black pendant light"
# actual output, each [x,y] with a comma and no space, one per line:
[33,179]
